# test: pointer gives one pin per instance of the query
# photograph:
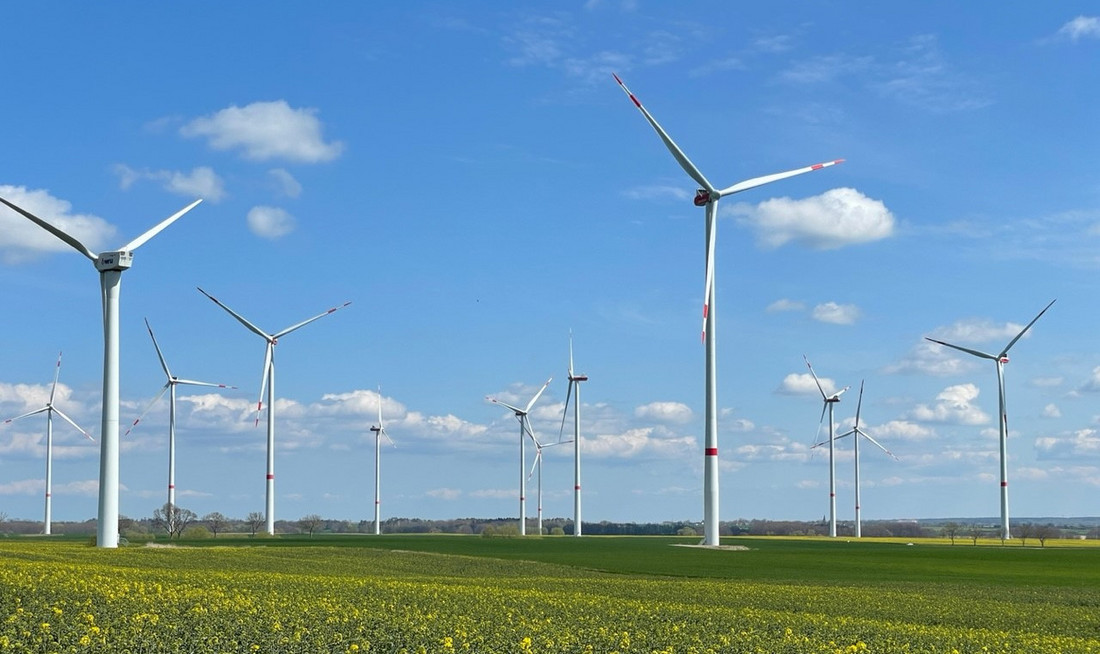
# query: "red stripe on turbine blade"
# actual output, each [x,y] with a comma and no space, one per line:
[271,476]
[706,308]
[817,166]
[711,451]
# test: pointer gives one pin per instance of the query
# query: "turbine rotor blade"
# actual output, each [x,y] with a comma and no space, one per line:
[767,179]
[864,434]
[1024,330]
[836,396]
[708,284]
[160,355]
[684,162]
[977,353]
[859,404]
[517,410]
[139,241]
[80,247]
[816,381]
[192,382]
[71,422]
[253,328]
[269,355]
[149,406]
[306,322]
[565,410]
[536,397]
[29,413]
[56,374]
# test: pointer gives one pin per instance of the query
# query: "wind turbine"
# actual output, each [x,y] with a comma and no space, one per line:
[1000,360]
[169,386]
[50,409]
[537,464]
[379,431]
[111,265]
[524,428]
[708,197]
[574,380]
[829,401]
[855,432]
[267,380]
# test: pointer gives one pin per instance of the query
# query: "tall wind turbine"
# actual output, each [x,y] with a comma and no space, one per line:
[574,380]
[829,401]
[111,265]
[267,380]
[169,386]
[524,428]
[1000,360]
[50,409]
[855,432]
[537,465]
[708,197]
[379,432]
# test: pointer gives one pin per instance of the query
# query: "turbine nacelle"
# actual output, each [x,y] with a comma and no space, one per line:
[118,260]
[1003,359]
[702,197]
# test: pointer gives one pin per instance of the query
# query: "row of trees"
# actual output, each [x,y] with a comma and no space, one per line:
[1022,532]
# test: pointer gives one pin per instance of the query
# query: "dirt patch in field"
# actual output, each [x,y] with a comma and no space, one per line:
[726,548]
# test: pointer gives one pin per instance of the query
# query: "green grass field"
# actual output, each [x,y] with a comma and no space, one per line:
[551,594]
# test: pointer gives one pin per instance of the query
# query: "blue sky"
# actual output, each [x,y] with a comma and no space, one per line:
[473,180]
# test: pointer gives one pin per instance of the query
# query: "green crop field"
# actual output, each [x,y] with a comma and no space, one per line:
[595,594]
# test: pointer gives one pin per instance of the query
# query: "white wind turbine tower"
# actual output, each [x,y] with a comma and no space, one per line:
[1000,360]
[708,197]
[829,401]
[855,432]
[169,386]
[524,428]
[49,409]
[267,380]
[110,265]
[574,380]
[379,432]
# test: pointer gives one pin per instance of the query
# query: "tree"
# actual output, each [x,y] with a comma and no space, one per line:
[1044,532]
[255,520]
[215,522]
[310,523]
[951,530]
[173,519]
[1025,531]
[975,533]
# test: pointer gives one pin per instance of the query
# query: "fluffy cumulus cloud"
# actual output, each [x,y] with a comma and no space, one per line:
[927,358]
[201,182]
[675,412]
[22,240]
[1092,384]
[1052,411]
[1082,27]
[1077,445]
[842,216]
[954,405]
[836,314]
[804,384]
[270,222]
[978,331]
[263,131]
[642,442]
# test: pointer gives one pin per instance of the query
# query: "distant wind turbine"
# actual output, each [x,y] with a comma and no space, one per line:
[855,432]
[574,380]
[110,265]
[379,432]
[1000,360]
[524,428]
[169,386]
[50,409]
[537,465]
[829,401]
[708,197]
[267,380]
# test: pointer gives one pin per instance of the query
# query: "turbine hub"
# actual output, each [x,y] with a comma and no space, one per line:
[702,197]
[120,260]
[1004,359]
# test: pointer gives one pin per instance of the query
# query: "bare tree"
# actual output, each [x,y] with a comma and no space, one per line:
[975,533]
[951,530]
[1044,532]
[310,523]
[215,522]
[1025,531]
[173,519]
[255,520]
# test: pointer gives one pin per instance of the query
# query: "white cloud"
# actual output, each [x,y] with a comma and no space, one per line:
[785,305]
[1047,382]
[836,314]
[265,131]
[288,186]
[22,240]
[201,182]
[903,430]
[1092,384]
[954,405]
[652,442]
[676,412]
[978,331]
[1052,411]
[444,493]
[839,217]
[1083,443]
[270,222]
[1081,27]
[929,358]
[658,192]
[804,384]
[495,493]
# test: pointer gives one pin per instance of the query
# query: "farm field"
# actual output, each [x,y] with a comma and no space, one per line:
[596,594]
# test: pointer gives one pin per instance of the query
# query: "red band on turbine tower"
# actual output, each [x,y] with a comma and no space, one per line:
[711,451]
[576,488]
[271,476]
[1004,483]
